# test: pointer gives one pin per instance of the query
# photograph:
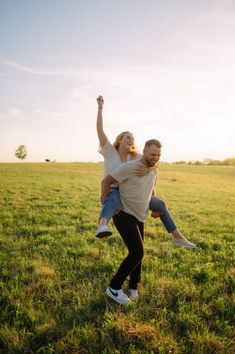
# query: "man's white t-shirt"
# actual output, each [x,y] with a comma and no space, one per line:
[135,191]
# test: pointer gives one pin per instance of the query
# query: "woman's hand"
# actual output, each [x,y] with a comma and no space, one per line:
[142,171]
[100,101]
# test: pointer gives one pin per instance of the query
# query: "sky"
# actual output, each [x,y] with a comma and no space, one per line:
[166,70]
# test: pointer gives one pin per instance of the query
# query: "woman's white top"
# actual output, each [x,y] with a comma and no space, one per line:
[112,158]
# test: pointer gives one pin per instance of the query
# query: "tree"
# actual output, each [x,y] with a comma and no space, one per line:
[21,152]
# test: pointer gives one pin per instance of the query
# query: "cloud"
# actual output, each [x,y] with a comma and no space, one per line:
[32,71]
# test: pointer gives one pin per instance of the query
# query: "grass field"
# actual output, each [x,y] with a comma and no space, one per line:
[53,271]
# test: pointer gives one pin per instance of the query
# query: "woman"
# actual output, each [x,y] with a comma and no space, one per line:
[121,151]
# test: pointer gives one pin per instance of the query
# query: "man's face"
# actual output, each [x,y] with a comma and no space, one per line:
[151,155]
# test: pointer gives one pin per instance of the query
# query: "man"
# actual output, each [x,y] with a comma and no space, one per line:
[135,193]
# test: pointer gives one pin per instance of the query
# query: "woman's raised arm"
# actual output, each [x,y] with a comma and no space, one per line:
[99,122]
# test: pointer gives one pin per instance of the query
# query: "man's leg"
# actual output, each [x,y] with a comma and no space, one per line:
[135,275]
[127,226]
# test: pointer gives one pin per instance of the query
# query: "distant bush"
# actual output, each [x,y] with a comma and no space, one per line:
[229,162]
[215,162]
[180,162]
[226,162]
[21,152]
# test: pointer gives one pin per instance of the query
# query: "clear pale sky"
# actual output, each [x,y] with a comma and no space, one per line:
[166,70]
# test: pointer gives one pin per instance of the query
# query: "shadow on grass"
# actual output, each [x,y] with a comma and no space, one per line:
[91,313]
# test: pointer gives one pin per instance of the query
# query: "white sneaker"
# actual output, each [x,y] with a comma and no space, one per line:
[133,294]
[103,231]
[118,296]
[183,242]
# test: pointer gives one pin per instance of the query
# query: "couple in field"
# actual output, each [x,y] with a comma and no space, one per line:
[127,196]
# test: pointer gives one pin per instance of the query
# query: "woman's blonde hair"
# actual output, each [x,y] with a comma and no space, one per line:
[133,149]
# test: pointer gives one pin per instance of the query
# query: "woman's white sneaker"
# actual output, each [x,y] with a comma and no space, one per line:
[103,231]
[183,242]
[118,296]
[133,294]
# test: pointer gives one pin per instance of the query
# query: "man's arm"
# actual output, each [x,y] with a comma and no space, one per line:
[105,187]
[99,122]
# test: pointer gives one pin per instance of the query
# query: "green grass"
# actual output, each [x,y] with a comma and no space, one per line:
[53,271]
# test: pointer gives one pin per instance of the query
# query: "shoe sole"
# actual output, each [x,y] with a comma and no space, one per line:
[103,234]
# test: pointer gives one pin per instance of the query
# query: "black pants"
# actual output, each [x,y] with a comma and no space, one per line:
[132,233]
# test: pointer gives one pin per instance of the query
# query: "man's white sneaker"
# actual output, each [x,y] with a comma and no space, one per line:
[133,294]
[103,231]
[118,296]
[183,242]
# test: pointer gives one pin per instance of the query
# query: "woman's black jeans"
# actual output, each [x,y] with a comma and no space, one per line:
[132,233]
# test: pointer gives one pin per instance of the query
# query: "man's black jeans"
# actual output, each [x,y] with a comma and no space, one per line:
[132,233]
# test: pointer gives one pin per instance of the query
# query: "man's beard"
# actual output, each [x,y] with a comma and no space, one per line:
[150,163]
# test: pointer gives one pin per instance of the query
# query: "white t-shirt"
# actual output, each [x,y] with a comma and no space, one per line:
[135,191]
[112,158]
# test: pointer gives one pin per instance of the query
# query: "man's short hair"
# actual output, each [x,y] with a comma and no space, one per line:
[153,142]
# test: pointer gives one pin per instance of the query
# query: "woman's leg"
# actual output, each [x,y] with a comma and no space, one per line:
[159,205]
[109,208]
[131,232]
[111,205]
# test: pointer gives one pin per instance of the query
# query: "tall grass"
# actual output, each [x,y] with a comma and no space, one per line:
[53,271]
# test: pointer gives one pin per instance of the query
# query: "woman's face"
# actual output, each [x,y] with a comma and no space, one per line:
[127,141]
